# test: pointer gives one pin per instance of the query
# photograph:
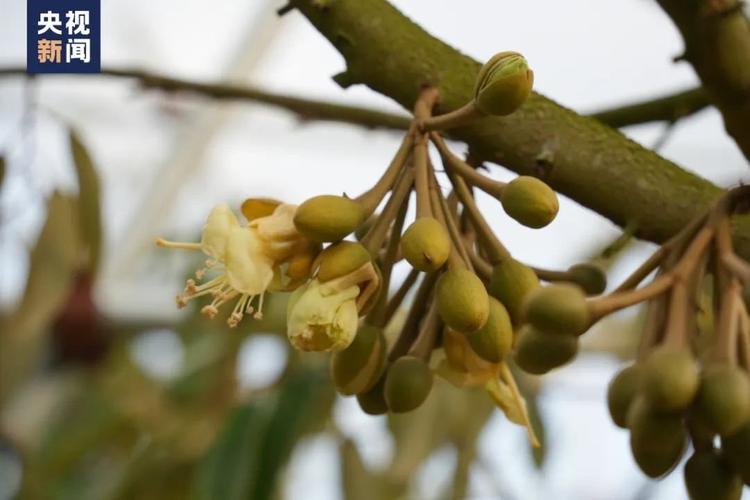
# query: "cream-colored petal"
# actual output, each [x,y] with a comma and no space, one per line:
[315,322]
[248,269]
[279,226]
[216,231]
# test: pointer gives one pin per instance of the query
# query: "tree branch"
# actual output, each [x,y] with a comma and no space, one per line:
[717,43]
[306,109]
[664,109]
[580,157]
[668,108]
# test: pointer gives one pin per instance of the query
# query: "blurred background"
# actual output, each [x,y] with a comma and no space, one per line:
[110,392]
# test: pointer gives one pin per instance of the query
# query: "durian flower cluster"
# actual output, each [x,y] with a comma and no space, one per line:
[475,310]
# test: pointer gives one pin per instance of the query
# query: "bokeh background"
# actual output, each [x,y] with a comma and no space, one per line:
[150,402]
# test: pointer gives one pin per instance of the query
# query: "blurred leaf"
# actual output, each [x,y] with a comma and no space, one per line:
[357,482]
[230,469]
[300,395]
[257,441]
[89,206]
[530,390]
[53,263]
[2,170]
[454,416]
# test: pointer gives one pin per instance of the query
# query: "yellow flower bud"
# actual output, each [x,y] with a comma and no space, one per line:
[538,352]
[560,308]
[588,276]
[341,258]
[318,321]
[426,244]
[328,218]
[357,368]
[503,84]
[462,301]
[495,339]
[529,201]
[407,384]
[511,282]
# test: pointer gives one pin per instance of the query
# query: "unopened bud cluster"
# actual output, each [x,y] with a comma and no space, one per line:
[477,309]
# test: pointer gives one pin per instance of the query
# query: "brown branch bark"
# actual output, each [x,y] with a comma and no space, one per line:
[717,43]
[580,157]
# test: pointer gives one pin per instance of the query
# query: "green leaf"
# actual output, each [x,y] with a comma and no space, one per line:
[230,468]
[358,483]
[90,205]
[53,264]
[257,441]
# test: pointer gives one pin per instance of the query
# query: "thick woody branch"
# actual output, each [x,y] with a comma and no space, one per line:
[717,43]
[578,156]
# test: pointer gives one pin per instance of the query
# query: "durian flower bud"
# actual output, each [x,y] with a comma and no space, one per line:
[318,321]
[328,218]
[588,276]
[538,352]
[358,368]
[511,283]
[670,378]
[723,401]
[341,259]
[657,439]
[709,477]
[407,384]
[494,340]
[373,401]
[503,84]
[737,451]
[621,392]
[559,308]
[462,301]
[426,244]
[529,201]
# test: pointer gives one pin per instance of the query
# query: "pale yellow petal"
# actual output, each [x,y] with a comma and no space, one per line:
[216,231]
[248,269]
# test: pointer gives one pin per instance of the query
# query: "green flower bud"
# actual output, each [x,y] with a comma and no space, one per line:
[373,401]
[494,340]
[657,440]
[503,84]
[529,201]
[723,401]
[328,218]
[407,384]
[317,322]
[511,282]
[590,277]
[708,477]
[357,368]
[621,393]
[462,301]
[737,451]
[426,244]
[340,259]
[670,379]
[538,352]
[559,308]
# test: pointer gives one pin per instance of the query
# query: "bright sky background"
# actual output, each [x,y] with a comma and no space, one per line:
[166,160]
